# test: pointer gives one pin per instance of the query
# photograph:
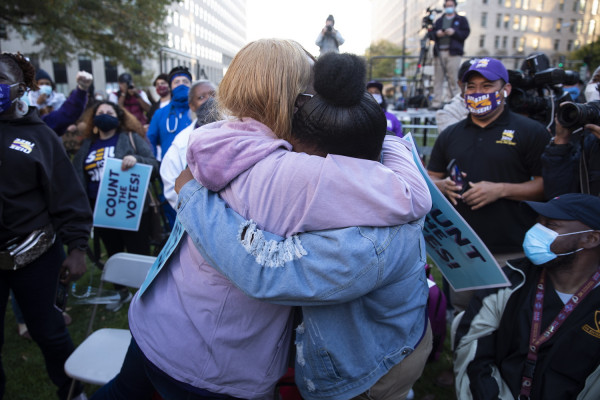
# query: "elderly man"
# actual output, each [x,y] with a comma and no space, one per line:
[540,337]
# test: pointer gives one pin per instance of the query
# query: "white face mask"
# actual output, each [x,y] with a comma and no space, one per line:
[377,98]
[591,92]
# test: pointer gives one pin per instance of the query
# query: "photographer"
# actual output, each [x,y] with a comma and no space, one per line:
[133,100]
[449,33]
[329,38]
[571,162]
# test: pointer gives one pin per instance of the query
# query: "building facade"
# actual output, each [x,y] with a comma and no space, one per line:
[511,29]
[202,35]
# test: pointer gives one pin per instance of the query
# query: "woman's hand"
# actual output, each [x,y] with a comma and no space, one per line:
[128,162]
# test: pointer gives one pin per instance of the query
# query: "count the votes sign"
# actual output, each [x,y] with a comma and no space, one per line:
[459,253]
[121,196]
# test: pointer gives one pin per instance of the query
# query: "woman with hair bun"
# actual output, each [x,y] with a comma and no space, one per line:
[363,291]
[214,341]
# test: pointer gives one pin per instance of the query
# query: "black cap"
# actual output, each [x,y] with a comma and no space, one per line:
[125,78]
[584,208]
[375,84]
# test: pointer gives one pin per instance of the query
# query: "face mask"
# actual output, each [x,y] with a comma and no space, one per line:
[573,91]
[481,104]
[377,98]
[162,91]
[106,122]
[180,94]
[538,241]
[46,89]
[449,10]
[591,92]
[5,101]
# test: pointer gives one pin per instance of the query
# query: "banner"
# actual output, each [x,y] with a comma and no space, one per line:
[121,196]
[459,253]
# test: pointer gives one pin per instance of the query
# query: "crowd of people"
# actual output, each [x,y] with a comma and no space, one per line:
[296,213]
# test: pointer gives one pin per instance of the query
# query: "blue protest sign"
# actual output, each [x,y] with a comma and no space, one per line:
[459,253]
[121,196]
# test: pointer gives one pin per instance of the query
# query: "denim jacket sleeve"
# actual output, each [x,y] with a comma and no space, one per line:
[305,269]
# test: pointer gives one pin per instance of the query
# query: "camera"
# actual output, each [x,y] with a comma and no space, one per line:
[538,91]
[329,28]
[130,85]
[429,19]
[572,115]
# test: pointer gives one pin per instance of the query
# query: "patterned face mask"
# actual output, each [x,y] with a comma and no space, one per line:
[481,104]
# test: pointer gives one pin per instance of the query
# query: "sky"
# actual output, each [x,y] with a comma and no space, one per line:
[303,20]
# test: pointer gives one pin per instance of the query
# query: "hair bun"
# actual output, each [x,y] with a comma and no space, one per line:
[340,78]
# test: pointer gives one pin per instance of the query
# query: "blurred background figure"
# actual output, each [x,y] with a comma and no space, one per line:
[130,98]
[46,98]
[329,38]
[161,85]
[393,124]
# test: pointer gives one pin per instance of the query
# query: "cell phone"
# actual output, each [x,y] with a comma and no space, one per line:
[455,174]
[62,293]
[130,85]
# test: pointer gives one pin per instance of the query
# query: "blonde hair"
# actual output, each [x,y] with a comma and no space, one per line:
[263,82]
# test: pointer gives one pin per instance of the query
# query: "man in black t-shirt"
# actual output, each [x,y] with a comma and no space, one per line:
[498,153]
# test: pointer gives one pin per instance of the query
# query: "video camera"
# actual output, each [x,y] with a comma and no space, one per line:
[537,91]
[429,19]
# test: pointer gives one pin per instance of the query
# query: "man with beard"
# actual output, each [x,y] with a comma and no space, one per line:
[540,337]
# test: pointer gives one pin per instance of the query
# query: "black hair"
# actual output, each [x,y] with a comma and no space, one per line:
[164,77]
[445,1]
[464,67]
[342,118]
[179,70]
[19,66]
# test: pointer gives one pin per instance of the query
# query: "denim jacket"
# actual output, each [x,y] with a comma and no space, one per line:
[364,309]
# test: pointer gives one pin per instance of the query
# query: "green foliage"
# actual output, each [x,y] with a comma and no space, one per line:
[590,53]
[124,30]
[383,68]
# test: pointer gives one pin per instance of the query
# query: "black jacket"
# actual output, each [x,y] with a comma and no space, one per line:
[457,40]
[38,183]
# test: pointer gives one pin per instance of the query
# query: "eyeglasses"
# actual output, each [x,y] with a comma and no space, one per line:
[307,95]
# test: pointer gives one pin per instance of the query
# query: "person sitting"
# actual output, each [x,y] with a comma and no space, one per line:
[539,338]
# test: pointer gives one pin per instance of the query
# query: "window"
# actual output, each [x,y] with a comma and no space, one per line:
[572,26]
[559,23]
[110,70]
[540,5]
[496,42]
[515,41]
[569,45]
[483,19]
[521,46]
[537,24]
[536,43]
[582,6]
[524,23]
[575,5]
[498,20]
[504,41]
[525,4]
[481,41]
[507,3]
[579,26]
[485,1]
[85,63]
[577,44]
[595,7]
[556,44]
[60,72]
[561,5]
[517,3]
[592,27]
[516,22]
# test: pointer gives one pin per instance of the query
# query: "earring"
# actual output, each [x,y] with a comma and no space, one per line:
[95,130]
[21,108]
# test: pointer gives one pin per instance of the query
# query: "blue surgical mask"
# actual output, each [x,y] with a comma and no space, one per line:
[106,122]
[537,244]
[180,94]
[573,91]
[46,89]
[449,10]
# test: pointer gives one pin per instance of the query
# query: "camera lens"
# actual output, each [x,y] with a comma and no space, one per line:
[572,114]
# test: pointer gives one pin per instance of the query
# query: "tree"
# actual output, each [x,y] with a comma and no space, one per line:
[590,54]
[124,30]
[386,67]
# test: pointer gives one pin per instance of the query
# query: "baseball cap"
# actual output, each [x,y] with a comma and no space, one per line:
[490,68]
[125,78]
[584,208]
[375,84]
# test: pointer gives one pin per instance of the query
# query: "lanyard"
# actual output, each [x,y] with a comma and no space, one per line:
[535,339]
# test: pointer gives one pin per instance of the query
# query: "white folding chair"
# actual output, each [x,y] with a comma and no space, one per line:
[99,357]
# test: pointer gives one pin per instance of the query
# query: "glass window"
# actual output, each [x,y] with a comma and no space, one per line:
[517,3]
[579,26]
[572,26]
[504,41]
[521,46]
[506,21]
[483,19]
[524,23]
[577,44]
[110,70]
[569,45]
[498,20]
[540,5]
[85,64]
[481,41]
[582,6]
[559,22]
[60,72]
[485,1]
[507,3]
[536,43]
[592,27]
[561,5]
[515,41]
[537,24]
[496,42]
[556,44]
[525,4]
[575,5]
[595,7]
[516,22]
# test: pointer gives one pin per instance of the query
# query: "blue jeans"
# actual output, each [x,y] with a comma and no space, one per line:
[34,288]
[139,379]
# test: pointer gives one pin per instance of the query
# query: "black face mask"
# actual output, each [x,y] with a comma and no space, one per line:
[106,122]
